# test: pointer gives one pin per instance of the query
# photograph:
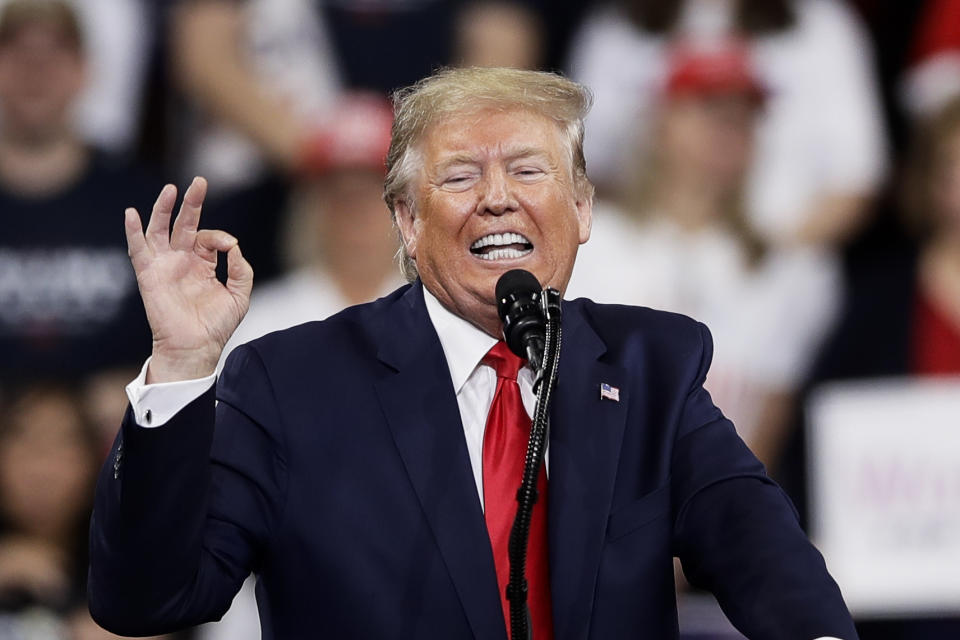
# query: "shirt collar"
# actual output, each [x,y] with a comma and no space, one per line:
[464,345]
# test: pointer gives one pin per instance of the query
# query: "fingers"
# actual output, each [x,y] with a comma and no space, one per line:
[185,226]
[137,247]
[239,274]
[158,229]
[210,241]
[239,271]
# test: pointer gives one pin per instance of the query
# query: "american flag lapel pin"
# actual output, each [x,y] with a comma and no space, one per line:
[609,392]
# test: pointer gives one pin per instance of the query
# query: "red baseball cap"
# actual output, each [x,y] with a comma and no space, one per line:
[353,134]
[722,67]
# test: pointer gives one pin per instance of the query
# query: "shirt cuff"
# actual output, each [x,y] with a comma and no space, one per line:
[154,404]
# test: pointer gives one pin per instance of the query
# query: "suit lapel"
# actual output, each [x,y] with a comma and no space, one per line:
[585,438]
[421,409]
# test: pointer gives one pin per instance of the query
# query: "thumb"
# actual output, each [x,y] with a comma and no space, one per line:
[239,274]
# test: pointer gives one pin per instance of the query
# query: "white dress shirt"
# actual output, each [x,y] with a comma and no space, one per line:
[464,346]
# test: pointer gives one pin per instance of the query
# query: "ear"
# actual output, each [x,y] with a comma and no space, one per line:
[585,216]
[407,226]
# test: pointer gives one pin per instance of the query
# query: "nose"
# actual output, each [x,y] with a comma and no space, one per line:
[497,197]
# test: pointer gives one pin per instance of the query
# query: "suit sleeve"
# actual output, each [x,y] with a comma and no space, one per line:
[737,534]
[184,512]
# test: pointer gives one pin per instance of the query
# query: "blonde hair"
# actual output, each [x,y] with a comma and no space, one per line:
[926,155]
[450,92]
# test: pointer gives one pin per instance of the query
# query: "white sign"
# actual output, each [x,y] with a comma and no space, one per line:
[885,493]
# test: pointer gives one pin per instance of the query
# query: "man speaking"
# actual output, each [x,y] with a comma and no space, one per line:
[365,467]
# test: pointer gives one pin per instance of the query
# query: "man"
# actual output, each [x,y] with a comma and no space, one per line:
[348,455]
[68,298]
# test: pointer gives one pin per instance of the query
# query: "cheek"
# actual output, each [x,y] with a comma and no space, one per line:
[681,134]
[17,484]
[442,219]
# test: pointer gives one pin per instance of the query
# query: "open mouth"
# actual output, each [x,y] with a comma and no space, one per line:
[501,246]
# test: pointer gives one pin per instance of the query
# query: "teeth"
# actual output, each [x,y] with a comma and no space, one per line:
[503,254]
[500,239]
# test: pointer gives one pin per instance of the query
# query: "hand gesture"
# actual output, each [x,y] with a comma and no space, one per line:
[191,313]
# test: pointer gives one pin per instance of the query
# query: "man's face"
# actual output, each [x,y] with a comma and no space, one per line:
[41,73]
[495,193]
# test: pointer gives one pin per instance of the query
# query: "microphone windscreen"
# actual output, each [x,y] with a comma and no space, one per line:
[513,282]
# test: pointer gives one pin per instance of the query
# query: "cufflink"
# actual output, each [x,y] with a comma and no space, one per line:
[148,416]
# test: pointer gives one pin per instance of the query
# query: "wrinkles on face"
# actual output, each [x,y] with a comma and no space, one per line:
[495,193]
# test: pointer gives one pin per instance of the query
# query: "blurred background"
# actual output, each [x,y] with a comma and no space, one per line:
[787,171]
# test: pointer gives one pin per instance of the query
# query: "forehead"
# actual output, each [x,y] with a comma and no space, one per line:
[487,133]
[39,29]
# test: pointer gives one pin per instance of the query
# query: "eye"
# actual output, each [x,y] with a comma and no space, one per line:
[459,181]
[528,172]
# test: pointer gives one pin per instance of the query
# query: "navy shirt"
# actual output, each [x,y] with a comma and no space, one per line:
[69,303]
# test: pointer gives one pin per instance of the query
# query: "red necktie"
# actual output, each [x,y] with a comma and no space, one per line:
[504,451]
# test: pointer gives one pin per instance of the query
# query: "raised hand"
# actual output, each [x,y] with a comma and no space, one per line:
[191,313]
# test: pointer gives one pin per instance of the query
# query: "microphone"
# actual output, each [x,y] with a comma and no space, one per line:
[531,328]
[518,305]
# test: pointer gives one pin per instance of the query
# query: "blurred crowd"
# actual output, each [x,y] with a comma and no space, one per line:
[787,171]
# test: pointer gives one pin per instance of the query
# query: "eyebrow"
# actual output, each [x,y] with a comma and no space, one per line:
[525,152]
[511,154]
[455,159]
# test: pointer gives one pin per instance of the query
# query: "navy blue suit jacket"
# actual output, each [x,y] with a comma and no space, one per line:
[337,471]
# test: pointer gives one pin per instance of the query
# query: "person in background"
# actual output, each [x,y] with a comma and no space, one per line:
[932,76]
[681,241]
[49,454]
[338,240]
[118,46]
[261,70]
[48,459]
[68,298]
[902,312]
[820,149]
[933,205]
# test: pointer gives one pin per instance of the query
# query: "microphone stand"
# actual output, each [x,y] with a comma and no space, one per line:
[544,382]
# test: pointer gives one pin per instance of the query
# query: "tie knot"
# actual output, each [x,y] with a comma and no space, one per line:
[506,363]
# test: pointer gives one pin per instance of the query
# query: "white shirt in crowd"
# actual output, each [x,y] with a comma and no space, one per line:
[767,319]
[288,47]
[821,131]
